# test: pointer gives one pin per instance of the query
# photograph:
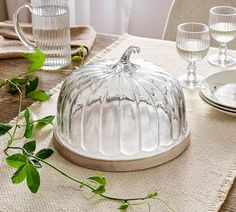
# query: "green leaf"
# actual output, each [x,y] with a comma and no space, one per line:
[29,126]
[27,114]
[152,195]
[36,163]
[20,174]
[35,66]
[29,131]
[46,120]
[4,128]
[25,170]
[81,53]
[82,50]
[16,160]
[37,59]
[19,82]
[76,58]
[100,190]
[32,85]
[38,95]
[30,146]
[44,153]
[33,178]
[40,54]
[101,180]
[123,207]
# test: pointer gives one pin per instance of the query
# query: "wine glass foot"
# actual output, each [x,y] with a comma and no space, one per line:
[185,83]
[213,60]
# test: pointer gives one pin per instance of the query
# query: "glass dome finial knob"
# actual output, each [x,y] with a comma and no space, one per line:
[125,58]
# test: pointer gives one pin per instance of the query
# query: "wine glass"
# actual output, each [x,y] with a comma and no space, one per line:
[222,24]
[192,43]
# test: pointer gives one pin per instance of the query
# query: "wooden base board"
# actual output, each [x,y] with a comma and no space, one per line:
[121,165]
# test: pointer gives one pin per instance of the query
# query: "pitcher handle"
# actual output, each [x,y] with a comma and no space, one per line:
[31,45]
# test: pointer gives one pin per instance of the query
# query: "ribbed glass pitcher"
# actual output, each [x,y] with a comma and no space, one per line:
[51,31]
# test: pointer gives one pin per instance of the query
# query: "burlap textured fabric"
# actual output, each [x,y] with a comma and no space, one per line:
[198,180]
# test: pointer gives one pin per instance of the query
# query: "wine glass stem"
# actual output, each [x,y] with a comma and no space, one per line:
[222,54]
[191,75]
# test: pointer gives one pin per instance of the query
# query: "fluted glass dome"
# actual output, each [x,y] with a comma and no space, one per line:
[118,110]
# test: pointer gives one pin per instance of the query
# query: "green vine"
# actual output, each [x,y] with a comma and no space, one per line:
[27,162]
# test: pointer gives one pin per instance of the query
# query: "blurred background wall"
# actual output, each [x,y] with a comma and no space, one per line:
[138,17]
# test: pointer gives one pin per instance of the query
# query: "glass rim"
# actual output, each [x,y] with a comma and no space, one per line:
[206,28]
[220,14]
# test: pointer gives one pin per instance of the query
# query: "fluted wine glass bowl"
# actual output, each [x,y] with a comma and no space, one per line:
[121,115]
[222,23]
[192,43]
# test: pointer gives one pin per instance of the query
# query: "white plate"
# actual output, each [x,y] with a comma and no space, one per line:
[220,88]
[216,107]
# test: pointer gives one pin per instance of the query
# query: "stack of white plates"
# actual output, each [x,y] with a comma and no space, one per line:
[219,91]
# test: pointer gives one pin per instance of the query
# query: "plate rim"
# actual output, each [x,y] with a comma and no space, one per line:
[206,84]
[231,113]
[213,104]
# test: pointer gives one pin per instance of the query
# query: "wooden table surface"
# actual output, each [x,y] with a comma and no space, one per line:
[48,80]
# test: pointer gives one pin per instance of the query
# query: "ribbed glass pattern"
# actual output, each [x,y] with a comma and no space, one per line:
[109,108]
[222,24]
[51,31]
[192,43]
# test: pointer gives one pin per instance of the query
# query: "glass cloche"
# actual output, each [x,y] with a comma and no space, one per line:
[121,115]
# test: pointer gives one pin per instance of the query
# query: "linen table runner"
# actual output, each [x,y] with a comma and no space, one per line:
[198,180]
